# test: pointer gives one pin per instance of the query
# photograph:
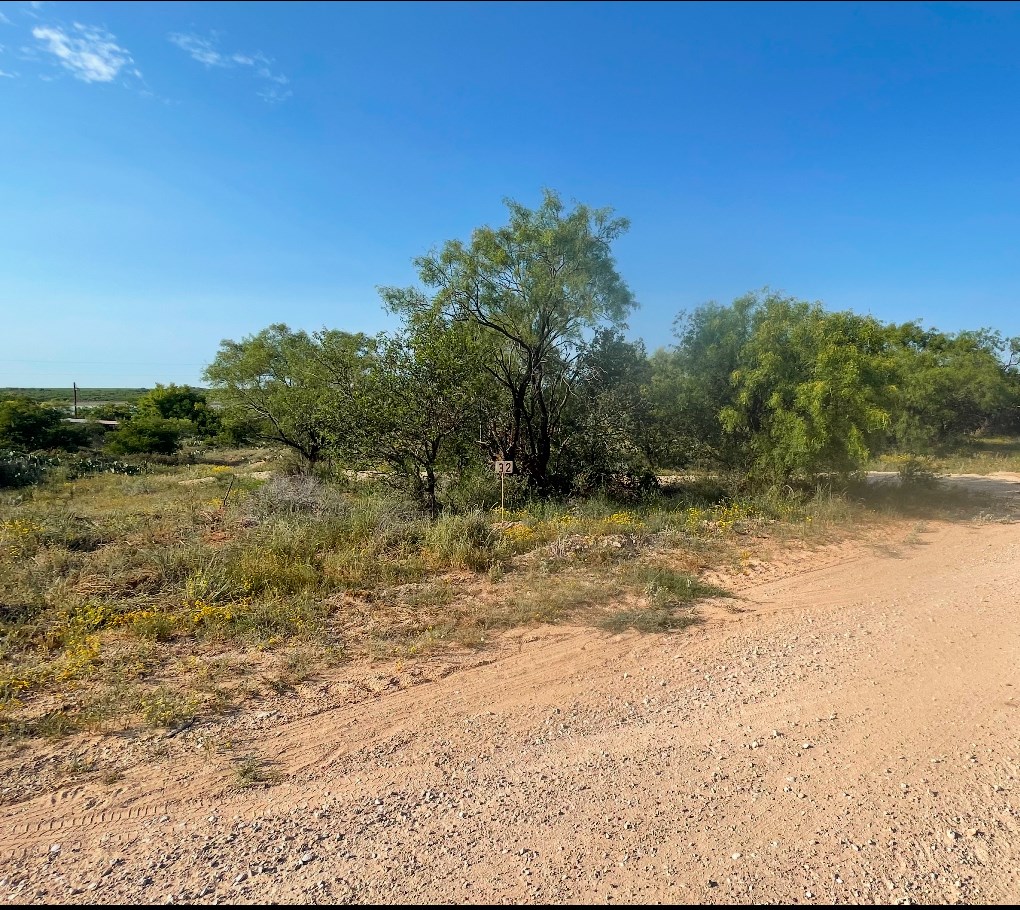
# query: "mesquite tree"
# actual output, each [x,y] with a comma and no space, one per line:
[533,290]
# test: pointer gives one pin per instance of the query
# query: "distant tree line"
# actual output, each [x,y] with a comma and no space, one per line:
[512,348]
[156,423]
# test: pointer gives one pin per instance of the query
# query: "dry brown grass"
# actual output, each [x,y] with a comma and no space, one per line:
[144,601]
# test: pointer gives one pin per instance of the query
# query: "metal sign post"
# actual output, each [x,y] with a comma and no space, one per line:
[502,468]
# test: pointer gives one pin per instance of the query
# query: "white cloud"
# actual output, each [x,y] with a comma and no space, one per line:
[205,51]
[201,49]
[4,20]
[5,75]
[90,54]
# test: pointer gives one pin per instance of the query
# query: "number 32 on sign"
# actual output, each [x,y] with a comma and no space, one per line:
[503,468]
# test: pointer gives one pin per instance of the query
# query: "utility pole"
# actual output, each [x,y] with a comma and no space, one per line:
[75,385]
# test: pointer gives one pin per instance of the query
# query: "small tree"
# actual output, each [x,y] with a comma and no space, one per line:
[292,388]
[420,398]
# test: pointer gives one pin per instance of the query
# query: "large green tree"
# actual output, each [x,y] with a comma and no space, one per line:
[612,440]
[534,289]
[693,383]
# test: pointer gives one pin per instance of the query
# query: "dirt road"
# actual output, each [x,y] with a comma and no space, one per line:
[846,731]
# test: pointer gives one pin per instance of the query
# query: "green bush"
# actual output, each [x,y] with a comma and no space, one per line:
[180,402]
[85,465]
[477,487]
[916,470]
[146,434]
[623,480]
[29,426]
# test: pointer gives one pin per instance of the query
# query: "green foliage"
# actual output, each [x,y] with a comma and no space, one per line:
[20,470]
[87,464]
[252,771]
[236,429]
[610,442]
[664,585]
[147,434]
[783,389]
[518,329]
[166,708]
[694,382]
[65,396]
[531,290]
[915,470]
[418,398]
[950,386]
[812,392]
[174,402]
[294,389]
[29,426]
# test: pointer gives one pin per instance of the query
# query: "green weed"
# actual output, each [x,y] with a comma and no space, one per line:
[252,771]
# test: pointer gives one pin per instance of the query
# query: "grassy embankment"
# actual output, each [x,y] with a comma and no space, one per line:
[144,600]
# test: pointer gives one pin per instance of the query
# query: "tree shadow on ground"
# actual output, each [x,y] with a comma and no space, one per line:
[941,499]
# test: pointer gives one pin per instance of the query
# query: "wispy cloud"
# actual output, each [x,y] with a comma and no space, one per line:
[274,94]
[201,49]
[207,52]
[90,54]
[4,20]
[3,73]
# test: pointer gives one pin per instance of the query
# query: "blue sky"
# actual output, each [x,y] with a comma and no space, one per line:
[172,174]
